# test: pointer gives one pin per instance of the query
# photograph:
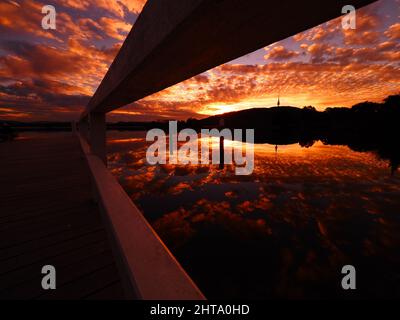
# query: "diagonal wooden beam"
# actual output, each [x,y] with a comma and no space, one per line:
[174,40]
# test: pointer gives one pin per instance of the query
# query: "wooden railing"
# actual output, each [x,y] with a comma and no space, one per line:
[170,42]
[148,268]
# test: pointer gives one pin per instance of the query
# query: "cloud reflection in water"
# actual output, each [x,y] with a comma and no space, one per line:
[285,231]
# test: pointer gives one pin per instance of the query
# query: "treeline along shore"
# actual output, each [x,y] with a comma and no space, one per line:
[364,118]
[366,126]
[284,124]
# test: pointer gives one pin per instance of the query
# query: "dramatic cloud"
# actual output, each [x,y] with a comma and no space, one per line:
[324,66]
[51,74]
[393,32]
[280,53]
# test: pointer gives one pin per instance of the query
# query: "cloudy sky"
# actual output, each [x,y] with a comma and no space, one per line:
[51,74]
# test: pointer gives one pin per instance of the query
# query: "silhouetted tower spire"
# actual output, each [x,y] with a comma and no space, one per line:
[279,103]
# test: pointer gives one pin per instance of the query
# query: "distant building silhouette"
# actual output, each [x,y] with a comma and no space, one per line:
[279,103]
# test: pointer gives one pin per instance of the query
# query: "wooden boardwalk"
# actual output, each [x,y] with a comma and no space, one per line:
[48,217]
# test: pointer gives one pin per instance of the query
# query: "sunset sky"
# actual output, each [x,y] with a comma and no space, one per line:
[51,74]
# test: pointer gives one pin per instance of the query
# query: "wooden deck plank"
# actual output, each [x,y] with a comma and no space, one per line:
[113,290]
[38,232]
[23,277]
[48,241]
[88,284]
[68,274]
[47,216]
[47,254]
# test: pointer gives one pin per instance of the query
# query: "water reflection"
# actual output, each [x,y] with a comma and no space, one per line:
[284,231]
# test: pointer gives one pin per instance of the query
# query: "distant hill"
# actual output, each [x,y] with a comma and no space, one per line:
[366,116]
[275,117]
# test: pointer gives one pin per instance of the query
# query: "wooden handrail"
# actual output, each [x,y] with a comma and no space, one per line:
[149,269]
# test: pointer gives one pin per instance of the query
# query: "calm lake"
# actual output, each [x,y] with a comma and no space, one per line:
[285,231]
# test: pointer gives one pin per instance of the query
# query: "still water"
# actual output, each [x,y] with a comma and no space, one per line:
[285,231]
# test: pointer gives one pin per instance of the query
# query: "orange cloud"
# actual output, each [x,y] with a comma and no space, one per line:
[393,32]
[116,7]
[23,18]
[115,28]
[280,53]
[324,66]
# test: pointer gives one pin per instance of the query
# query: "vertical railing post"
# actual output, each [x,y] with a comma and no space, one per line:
[73,126]
[98,135]
[84,128]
